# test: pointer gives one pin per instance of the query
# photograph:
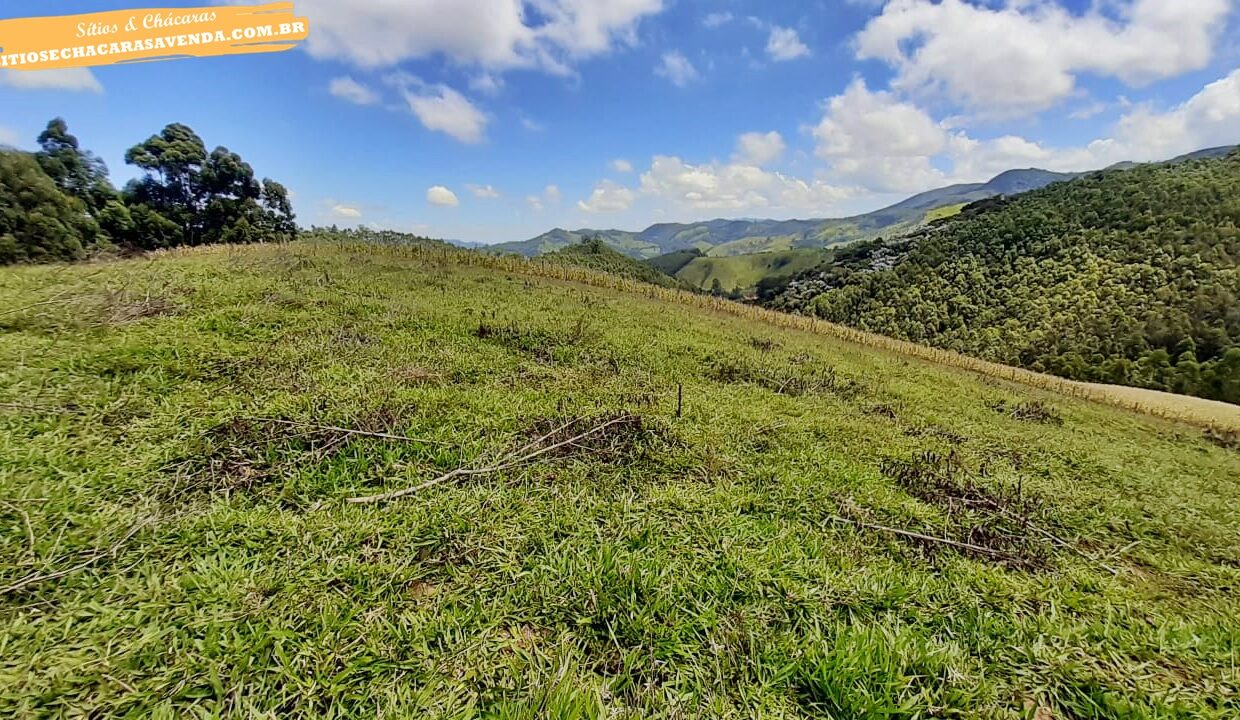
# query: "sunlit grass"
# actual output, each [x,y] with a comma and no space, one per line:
[697,569]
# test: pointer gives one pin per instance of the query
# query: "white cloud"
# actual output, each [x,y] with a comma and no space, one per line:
[785,44]
[440,196]
[445,110]
[491,34]
[888,145]
[608,197]
[485,192]
[551,195]
[759,149]
[734,187]
[531,125]
[879,141]
[347,212]
[1209,118]
[346,88]
[717,19]
[1026,55]
[73,79]
[676,68]
[622,166]
[9,136]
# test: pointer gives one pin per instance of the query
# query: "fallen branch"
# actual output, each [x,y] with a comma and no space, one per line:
[110,552]
[506,462]
[925,538]
[1030,525]
[346,431]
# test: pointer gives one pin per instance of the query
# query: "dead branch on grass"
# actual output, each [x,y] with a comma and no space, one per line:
[345,431]
[507,462]
[924,538]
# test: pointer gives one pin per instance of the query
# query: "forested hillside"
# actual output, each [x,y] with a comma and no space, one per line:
[1128,277]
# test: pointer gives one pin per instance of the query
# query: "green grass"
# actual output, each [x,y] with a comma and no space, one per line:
[946,211]
[744,271]
[604,259]
[689,567]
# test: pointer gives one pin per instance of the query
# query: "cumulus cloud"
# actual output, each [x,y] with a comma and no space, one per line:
[785,44]
[1025,55]
[608,197]
[445,110]
[735,187]
[440,196]
[879,141]
[1209,118]
[759,149]
[717,19]
[676,68]
[550,196]
[347,212]
[622,166]
[491,34]
[346,88]
[71,79]
[484,192]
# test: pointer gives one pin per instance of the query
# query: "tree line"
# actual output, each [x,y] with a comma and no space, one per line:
[1129,277]
[57,203]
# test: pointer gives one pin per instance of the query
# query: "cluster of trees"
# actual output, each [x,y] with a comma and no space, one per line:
[1129,277]
[57,204]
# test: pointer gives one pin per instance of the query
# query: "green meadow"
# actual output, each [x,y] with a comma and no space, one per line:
[658,510]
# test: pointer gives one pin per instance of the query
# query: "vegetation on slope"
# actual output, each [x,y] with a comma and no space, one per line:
[178,439]
[671,263]
[57,204]
[743,272]
[592,253]
[1129,277]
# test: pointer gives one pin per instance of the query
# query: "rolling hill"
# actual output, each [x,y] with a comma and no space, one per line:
[1128,277]
[199,450]
[723,238]
[596,255]
[726,238]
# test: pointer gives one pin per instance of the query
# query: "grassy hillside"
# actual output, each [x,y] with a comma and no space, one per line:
[1126,277]
[744,271]
[671,263]
[180,435]
[600,257]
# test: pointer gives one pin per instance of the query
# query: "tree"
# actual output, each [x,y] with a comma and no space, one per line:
[76,172]
[280,218]
[38,222]
[173,161]
[211,198]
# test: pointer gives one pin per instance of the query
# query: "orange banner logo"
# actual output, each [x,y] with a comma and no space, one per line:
[68,41]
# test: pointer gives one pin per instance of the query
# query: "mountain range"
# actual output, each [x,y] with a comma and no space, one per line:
[727,238]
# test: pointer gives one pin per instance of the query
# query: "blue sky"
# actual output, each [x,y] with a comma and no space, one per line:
[495,120]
